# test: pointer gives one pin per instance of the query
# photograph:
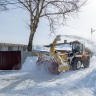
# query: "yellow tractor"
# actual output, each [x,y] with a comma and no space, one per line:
[60,60]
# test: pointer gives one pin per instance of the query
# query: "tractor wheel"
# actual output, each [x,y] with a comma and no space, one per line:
[86,63]
[76,65]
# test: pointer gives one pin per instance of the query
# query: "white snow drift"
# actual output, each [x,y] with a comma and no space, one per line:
[30,81]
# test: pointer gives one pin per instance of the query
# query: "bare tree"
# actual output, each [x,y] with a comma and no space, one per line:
[3,5]
[56,11]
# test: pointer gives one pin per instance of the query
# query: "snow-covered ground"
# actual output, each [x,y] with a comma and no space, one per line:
[31,81]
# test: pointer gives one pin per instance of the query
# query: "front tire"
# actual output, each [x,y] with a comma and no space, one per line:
[76,65]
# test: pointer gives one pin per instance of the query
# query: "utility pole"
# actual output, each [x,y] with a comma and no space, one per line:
[91,37]
[92,32]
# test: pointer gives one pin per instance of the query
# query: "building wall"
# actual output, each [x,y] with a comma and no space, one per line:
[4,48]
[24,55]
[15,48]
[0,48]
[12,48]
[20,48]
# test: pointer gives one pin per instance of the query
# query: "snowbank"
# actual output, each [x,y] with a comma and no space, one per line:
[29,64]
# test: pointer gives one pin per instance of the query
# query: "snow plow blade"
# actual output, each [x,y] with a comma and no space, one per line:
[62,67]
[51,63]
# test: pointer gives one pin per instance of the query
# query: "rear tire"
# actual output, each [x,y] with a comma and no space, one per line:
[76,65]
[86,63]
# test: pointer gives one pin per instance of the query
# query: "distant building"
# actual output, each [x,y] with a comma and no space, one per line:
[12,47]
[65,42]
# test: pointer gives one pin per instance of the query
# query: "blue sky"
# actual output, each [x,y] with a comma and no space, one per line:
[13,27]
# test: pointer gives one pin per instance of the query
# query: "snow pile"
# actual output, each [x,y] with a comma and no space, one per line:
[31,67]
[29,64]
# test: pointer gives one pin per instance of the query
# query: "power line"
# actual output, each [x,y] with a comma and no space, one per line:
[76,28]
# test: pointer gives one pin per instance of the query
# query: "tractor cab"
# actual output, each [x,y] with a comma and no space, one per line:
[77,47]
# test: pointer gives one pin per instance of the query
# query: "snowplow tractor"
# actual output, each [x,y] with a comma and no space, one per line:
[81,56]
[57,61]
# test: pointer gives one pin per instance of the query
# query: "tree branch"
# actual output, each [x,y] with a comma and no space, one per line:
[58,13]
[24,5]
[47,2]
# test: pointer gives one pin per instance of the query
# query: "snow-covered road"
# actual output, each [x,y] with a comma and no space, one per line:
[29,81]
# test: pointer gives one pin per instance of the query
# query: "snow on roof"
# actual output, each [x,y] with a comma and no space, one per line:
[59,47]
[40,48]
[63,47]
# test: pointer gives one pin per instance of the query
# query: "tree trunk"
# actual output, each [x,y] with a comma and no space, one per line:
[30,43]
[33,27]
